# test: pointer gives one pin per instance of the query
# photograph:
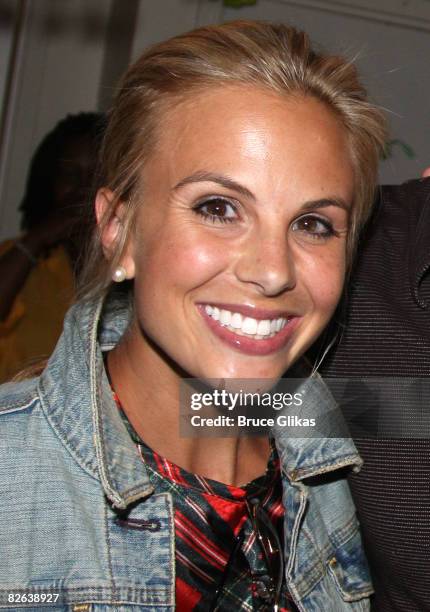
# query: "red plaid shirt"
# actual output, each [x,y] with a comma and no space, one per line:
[210,517]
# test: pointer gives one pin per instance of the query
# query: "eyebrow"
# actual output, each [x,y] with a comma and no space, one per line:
[325,202]
[225,181]
[201,176]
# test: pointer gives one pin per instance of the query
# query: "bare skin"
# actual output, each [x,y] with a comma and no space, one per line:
[265,245]
[217,458]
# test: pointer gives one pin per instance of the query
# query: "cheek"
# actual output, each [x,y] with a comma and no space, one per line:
[177,265]
[325,278]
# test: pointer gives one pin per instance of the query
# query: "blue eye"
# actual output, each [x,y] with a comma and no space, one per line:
[217,210]
[314,227]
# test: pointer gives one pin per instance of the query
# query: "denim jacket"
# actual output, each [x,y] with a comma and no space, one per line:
[69,471]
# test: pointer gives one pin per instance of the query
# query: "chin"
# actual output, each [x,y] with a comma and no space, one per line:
[250,371]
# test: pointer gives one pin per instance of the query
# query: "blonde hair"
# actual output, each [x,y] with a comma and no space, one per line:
[274,56]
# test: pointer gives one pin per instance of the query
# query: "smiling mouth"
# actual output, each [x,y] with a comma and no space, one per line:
[257,329]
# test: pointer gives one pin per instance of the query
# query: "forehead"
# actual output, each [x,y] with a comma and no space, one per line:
[238,128]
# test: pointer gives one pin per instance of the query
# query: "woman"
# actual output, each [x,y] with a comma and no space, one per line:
[238,165]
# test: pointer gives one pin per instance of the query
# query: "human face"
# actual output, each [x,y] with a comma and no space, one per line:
[239,247]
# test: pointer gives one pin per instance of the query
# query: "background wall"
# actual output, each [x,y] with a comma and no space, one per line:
[394,60]
[57,71]
[7,19]
[70,53]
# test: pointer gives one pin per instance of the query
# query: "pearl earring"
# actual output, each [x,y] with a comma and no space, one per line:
[119,274]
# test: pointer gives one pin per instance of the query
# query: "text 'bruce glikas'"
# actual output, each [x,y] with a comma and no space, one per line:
[221,420]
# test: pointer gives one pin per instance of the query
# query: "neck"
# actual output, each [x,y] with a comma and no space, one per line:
[148,389]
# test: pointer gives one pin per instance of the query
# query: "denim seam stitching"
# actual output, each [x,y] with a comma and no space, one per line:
[68,445]
[172,569]
[358,594]
[341,535]
[318,570]
[292,553]
[109,555]
[16,406]
[345,534]
[345,461]
[98,430]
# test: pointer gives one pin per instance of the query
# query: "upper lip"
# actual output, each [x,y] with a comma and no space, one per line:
[252,311]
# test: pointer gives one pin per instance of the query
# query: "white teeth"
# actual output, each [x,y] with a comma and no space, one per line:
[236,320]
[263,328]
[259,328]
[249,326]
[225,317]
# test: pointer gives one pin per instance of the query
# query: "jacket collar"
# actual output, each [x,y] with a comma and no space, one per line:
[77,400]
[325,447]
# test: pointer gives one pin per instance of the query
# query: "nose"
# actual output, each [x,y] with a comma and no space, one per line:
[267,261]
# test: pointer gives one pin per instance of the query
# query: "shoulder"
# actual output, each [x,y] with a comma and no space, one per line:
[21,424]
[400,212]
[407,200]
[416,191]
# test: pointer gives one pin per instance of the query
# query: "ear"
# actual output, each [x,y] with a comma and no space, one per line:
[110,219]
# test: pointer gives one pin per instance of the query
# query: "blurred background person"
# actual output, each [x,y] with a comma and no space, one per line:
[38,269]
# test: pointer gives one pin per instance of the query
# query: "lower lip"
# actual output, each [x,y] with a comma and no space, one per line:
[247,345]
